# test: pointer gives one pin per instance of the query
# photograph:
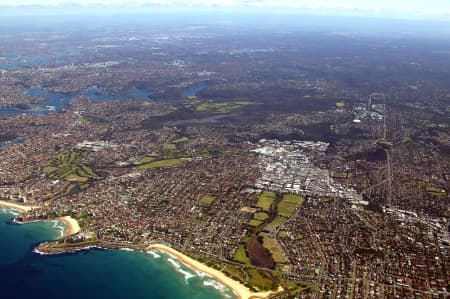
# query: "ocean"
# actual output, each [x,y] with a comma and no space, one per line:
[93,273]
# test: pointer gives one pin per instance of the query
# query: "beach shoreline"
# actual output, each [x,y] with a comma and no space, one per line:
[72,226]
[241,291]
[20,207]
[238,289]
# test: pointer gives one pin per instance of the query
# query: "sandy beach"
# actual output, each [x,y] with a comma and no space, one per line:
[240,290]
[72,225]
[22,208]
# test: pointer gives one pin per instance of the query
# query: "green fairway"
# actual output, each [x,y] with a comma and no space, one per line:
[67,165]
[275,223]
[241,256]
[435,191]
[169,147]
[283,234]
[75,178]
[172,154]
[261,282]
[180,140]
[288,205]
[203,154]
[261,216]
[274,247]
[266,200]
[70,188]
[341,175]
[146,159]
[49,169]
[255,223]
[206,200]
[163,164]
[222,107]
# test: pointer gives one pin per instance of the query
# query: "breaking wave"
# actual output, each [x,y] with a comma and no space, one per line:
[153,254]
[59,226]
[10,211]
[218,286]
[178,267]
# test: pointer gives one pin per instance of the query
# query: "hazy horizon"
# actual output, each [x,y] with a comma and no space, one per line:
[404,10]
[56,19]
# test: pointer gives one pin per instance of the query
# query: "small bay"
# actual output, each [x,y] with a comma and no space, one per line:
[93,273]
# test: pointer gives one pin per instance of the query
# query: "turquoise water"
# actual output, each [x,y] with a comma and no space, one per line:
[94,273]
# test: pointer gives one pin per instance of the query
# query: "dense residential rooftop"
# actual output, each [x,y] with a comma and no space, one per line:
[306,179]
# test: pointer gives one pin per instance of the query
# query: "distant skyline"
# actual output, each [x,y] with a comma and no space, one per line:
[403,9]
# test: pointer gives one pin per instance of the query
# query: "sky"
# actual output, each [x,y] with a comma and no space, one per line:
[403,9]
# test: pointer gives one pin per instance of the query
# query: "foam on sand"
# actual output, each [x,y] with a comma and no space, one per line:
[22,208]
[218,286]
[239,289]
[178,267]
[72,225]
[154,254]
[214,284]
[10,211]
[59,226]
